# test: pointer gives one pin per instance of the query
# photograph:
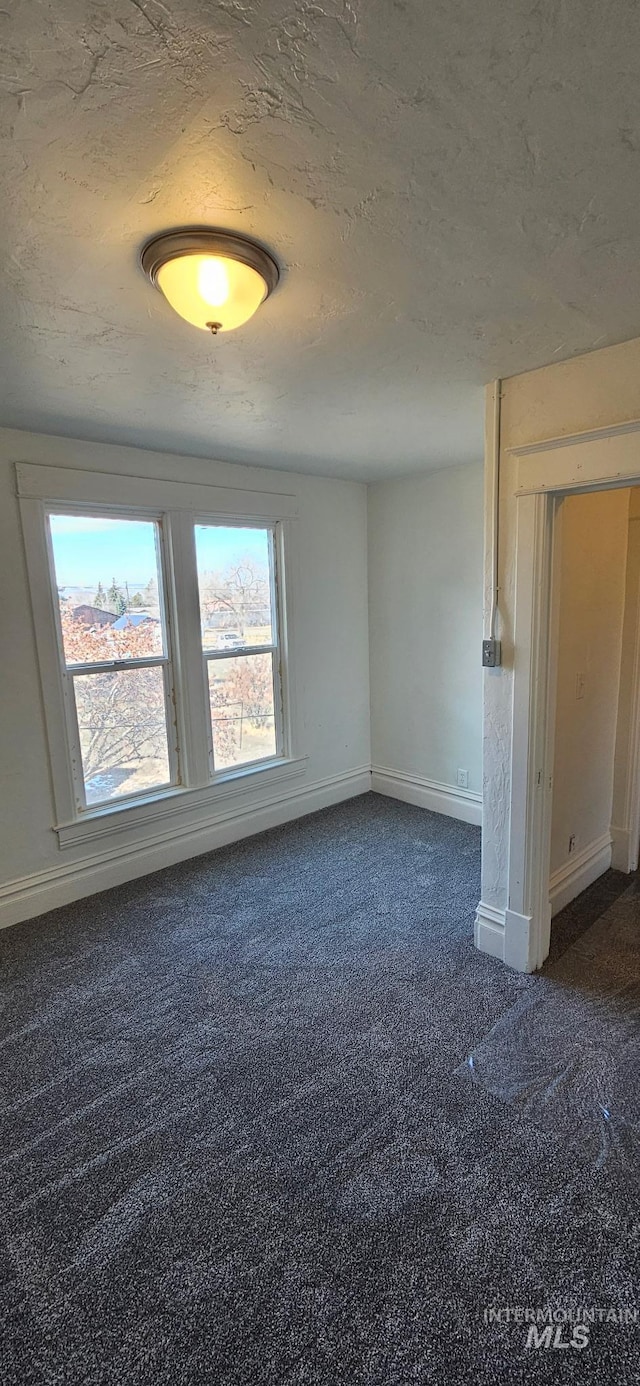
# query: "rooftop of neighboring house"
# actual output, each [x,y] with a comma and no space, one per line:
[94,615]
[131,618]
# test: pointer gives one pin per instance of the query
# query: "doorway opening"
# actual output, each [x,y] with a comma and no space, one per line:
[595,696]
[537,479]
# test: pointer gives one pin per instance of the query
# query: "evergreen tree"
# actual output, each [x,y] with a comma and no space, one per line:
[116,597]
[99,599]
[150,593]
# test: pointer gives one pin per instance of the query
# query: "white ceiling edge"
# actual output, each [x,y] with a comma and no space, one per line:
[394,470]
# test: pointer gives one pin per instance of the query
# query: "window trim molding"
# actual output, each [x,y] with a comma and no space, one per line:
[181,802]
[180,507]
[36,481]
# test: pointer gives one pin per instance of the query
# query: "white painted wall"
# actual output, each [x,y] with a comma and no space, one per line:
[328,571]
[596,391]
[425,622]
[591,597]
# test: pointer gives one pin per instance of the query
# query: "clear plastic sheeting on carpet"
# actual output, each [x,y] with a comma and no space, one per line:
[567,1053]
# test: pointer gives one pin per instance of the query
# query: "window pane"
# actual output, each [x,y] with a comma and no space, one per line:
[242,711]
[123,732]
[108,587]
[234,577]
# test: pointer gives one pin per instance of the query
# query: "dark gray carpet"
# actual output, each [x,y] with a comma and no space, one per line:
[236,1149]
[567,1053]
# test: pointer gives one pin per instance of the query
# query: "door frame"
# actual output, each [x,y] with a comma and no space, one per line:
[542,474]
[625,826]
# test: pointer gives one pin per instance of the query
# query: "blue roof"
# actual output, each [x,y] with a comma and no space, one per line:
[131,618]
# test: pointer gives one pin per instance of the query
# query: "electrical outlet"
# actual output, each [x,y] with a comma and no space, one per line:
[463,779]
[572,843]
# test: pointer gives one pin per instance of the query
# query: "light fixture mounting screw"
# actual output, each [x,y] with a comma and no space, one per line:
[214,328]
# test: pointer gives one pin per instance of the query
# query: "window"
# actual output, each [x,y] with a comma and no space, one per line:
[239,628]
[160,640]
[114,651]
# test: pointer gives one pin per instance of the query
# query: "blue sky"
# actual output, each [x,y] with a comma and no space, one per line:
[217,545]
[89,550]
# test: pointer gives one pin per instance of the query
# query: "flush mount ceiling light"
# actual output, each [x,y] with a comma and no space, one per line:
[213,279]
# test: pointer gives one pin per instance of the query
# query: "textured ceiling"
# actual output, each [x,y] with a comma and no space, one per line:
[453,189]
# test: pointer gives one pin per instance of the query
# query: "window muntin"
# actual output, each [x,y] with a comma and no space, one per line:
[240,642]
[114,654]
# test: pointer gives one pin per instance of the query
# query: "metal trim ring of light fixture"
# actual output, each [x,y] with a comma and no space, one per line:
[199,241]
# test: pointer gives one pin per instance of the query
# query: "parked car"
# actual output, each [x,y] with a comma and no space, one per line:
[230,640]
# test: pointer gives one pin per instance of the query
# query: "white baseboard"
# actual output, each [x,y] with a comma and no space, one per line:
[510,937]
[59,885]
[521,943]
[428,794]
[126,860]
[621,850]
[489,933]
[579,872]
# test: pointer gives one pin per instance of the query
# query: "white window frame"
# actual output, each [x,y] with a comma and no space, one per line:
[177,507]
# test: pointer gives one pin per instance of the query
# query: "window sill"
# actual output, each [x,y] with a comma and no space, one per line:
[200,806]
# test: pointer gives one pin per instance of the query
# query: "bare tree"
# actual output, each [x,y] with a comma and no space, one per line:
[121,715]
[242,591]
[121,719]
[244,697]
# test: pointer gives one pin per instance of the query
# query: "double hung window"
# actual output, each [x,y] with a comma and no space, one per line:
[114,655]
[160,637]
[239,627]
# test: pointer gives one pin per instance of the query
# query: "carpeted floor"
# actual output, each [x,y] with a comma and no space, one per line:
[236,1148]
[567,1053]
